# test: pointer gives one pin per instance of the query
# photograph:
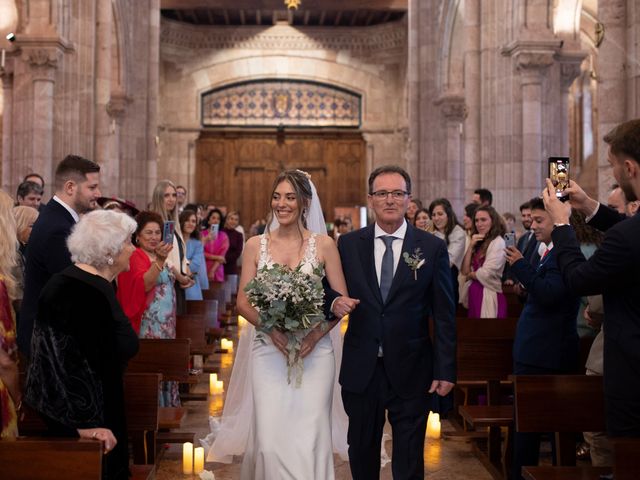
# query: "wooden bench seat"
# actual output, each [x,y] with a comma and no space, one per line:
[488,415]
[564,473]
[30,458]
[170,417]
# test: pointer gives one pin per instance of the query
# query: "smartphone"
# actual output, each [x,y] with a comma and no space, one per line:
[167,235]
[509,239]
[214,229]
[559,175]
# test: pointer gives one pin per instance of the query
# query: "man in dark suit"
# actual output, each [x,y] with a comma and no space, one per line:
[613,271]
[76,184]
[546,339]
[401,277]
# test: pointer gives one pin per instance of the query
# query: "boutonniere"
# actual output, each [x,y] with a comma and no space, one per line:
[414,261]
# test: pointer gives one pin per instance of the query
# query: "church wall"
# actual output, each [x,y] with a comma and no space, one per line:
[58,92]
[370,61]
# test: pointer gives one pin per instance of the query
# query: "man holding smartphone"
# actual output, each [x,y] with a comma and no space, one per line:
[613,271]
[546,339]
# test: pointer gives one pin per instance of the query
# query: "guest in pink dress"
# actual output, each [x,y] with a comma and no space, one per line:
[483,265]
[216,244]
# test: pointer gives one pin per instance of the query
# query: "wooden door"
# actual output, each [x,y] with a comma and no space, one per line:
[236,169]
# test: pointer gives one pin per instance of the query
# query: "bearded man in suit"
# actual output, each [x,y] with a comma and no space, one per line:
[612,271]
[77,192]
[400,277]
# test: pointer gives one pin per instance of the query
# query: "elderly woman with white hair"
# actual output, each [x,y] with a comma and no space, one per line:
[82,341]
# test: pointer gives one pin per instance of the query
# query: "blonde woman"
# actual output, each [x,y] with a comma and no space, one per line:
[25,218]
[9,388]
[164,202]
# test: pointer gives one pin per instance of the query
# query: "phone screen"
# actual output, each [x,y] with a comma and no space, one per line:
[509,239]
[215,228]
[167,235]
[559,175]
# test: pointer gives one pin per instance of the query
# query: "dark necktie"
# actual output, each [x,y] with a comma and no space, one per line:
[386,272]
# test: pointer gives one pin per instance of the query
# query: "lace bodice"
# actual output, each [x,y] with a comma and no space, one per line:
[309,260]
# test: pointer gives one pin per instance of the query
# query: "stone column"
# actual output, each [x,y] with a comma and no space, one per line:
[454,111]
[413,91]
[116,110]
[570,64]
[43,62]
[153,89]
[612,83]
[472,150]
[532,60]
[7,129]
[103,154]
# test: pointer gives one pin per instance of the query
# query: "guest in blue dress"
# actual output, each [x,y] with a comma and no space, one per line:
[195,255]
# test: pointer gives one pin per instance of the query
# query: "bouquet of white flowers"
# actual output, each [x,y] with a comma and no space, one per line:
[290,301]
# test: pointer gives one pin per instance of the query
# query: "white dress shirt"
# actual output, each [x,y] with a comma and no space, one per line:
[379,246]
[71,211]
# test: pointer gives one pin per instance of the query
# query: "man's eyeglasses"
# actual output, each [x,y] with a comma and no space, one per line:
[383,194]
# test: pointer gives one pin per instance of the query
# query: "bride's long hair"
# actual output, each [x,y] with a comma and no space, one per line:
[299,180]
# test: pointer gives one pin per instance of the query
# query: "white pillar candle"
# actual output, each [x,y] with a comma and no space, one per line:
[198,460]
[187,457]
[433,426]
[213,378]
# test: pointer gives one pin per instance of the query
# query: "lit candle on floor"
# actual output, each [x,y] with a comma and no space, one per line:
[219,387]
[213,378]
[187,457]
[433,425]
[198,460]
[226,344]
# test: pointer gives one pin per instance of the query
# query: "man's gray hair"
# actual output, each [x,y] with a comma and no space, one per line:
[98,236]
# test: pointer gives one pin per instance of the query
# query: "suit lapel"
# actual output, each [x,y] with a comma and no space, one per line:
[367,260]
[403,269]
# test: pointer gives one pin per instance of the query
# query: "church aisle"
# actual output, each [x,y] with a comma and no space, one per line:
[444,459]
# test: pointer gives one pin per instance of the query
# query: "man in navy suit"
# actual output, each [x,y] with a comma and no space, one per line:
[76,184]
[401,277]
[546,339]
[613,271]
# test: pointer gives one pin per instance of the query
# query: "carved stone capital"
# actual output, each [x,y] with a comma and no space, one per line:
[570,67]
[532,57]
[452,107]
[117,106]
[43,61]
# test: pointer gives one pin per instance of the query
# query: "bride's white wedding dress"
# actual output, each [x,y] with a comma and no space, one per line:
[290,437]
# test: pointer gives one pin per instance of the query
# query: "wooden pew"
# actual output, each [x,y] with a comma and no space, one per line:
[193,327]
[485,359]
[141,408]
[566,405]
[170,358]
[54,459]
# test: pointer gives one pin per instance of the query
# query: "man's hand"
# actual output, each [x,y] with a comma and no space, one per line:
[579,200]
[344,306]
[513,255]
[559,212]
[441,387]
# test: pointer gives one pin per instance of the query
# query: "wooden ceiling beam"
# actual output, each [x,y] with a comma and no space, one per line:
[318,5]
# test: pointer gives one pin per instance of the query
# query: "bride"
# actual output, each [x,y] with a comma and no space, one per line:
[285,432]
